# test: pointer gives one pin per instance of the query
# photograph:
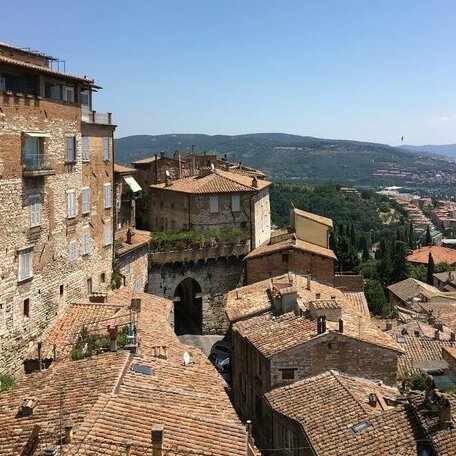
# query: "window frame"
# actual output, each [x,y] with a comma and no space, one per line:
[214,207]
[85,244]
[22,255]
[70,140]
[85,200]
[106,148]
[236,198]
[107,205]
[73,245]
[34,203]
[85,145]
[107,234]
[71,214]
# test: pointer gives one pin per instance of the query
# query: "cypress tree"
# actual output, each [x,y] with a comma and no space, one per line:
[428,236]
[411,236]
[430,269]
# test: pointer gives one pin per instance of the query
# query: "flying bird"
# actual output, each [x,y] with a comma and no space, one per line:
[402,139]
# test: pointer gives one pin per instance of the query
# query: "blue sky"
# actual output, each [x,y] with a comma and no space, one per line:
[366,70]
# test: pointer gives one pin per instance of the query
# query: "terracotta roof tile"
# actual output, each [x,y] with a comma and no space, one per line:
[214,182]
[120,169]
[439,254]
[328,405]
[411,288]
[316,218]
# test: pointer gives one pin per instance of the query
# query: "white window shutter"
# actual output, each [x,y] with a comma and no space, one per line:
[235,203]
[71,210]
[70,149]
[107,195]
[106,149]
[213,204]
[85,192]
[85,148]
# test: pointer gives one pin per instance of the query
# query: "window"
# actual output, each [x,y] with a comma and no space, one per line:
[73,250]
[32,151]
[288,374]
[71,206]
[70,149]
[213,204]
[53,91]
[107,196]
[103,277]
[85,148]
[85,244]
[235,203]
[85,98]
[68,94]
[61,289]
[2,317]
[89,286]
[35,210]
[26,307]
[25,264]
[105,149]
[107,234]
[85,195]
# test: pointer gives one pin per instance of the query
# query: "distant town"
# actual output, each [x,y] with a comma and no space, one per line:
[187,304]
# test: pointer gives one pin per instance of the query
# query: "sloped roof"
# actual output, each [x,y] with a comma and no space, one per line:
[411,288]
[120,169]
[316,218]
[110,404]
[214,182]
[268,248]
[439,255]
[327,406]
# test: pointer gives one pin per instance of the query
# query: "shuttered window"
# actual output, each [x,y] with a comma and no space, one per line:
[107,196]
[25,264]
[235,203]
[35,210]
[71,149]
[85,148]
[106,149]
[213,204]
[71,206]
[73,250]
[85,244]
[107,234]
[85,196]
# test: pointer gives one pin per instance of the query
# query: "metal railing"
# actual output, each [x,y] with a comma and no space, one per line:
[36,164]
[89,116]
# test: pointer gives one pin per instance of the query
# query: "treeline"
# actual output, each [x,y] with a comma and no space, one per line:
[367,211]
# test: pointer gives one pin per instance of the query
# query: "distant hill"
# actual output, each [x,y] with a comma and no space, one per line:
[448,150]
[287,157]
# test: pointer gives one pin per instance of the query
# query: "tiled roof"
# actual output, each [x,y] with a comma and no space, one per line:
[443,439]
[444,311]
[272,334]
[327,406]
[316,218]
[254,298]
[358,301]
[268,248]
[147,160]
[113,405]
[411,288]
[120,169]
[214,182]
[139,239]
[439,255]
[419,350]
[45,70]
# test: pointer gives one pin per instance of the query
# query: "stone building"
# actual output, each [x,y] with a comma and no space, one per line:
[56,173]
[131,245]
[302,248]
[290,328]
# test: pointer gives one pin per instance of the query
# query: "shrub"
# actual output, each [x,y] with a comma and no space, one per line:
[6,382]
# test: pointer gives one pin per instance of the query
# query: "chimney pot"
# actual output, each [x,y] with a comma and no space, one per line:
[341,325]
[317,295]
[389,326]
[444,405]
[323,323]
[112,330]
[136,304]
[255,182]
[309,278]
[452,336]
[437,334]
[68,432]
[372,399]
[157,439]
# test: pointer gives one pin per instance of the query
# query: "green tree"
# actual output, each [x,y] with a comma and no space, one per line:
[411,236]
[400,266]
[364,249]
[443,267]
[418,272]
[385,265]
[430,269]
[376,299]
[428,236]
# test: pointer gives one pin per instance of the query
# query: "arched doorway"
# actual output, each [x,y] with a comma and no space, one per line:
[188,308]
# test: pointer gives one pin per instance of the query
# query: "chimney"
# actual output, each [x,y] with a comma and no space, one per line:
[51,451]
[417,333]
[437,334]
[323,323]
[157,440]
[389,326]
[68,432]
[309,278]
[162,154]
[341,325]
[255,182]
[452,336]
[372,399]
[27,406]
[317,295]
[127,446]
[168,182]
[135,304]
[112,330]
[39,355]
[445,420]
[129,236]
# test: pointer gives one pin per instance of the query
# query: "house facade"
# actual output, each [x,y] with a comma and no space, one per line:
[56,179]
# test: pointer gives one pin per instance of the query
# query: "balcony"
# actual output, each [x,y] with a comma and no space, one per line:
[103,118]
[36,166]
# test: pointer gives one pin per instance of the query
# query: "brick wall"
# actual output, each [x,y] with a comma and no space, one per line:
[261,268]
[56,280]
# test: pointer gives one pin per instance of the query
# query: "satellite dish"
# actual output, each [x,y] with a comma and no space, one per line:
[186,358]
[212,167]
[167,173]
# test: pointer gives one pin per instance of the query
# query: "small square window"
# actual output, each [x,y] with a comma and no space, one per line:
[26,307]
[288,374]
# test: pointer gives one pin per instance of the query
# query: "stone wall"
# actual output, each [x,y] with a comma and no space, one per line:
[215,277]
[28,307]
[261,217]
[132,265]
[264,267]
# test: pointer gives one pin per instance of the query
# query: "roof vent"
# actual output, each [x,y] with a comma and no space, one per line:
[27,406]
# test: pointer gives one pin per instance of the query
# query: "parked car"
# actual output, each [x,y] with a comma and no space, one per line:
[221,349]
[224,368]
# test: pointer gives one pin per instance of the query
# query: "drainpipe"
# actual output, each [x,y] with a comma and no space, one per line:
[156,169]
[251,225]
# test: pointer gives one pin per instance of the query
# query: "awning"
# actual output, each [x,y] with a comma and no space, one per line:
[37,134]
[130,180]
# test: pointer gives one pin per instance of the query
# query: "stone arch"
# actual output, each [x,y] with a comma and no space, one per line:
[188,307]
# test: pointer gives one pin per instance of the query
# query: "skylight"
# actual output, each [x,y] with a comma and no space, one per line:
[357,428]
